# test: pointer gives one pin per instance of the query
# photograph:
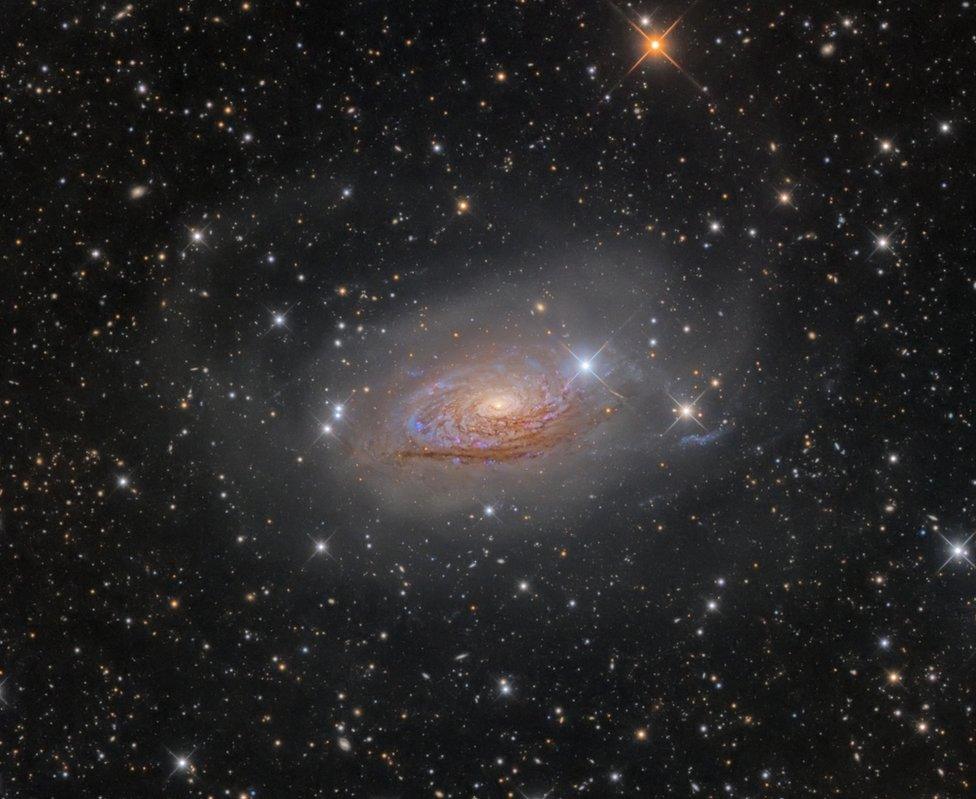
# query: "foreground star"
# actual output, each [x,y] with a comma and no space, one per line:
[957,551]
[181,763]
[585,366]
[686,410]
[655,46]
[320,546]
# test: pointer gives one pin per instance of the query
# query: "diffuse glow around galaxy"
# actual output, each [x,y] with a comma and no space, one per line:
[521,393]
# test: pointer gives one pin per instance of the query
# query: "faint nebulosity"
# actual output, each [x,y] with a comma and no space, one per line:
[517,391]
[522,399]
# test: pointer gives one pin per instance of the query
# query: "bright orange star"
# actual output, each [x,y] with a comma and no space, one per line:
[655,45]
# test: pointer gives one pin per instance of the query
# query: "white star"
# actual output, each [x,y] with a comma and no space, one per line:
[180,762]
[320,546]
[686,410]
[957,551]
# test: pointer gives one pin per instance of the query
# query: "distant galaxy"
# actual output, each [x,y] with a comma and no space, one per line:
[518,392]
[513,405]
[488,400]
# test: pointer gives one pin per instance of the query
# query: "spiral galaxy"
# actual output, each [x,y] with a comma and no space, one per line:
[518,405]
[513,395]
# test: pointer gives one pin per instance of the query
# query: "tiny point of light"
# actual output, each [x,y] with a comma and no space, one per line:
[585,366]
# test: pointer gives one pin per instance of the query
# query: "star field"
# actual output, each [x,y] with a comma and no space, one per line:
[512,399]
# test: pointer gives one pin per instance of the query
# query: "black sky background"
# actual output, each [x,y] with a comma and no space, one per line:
[180,615]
